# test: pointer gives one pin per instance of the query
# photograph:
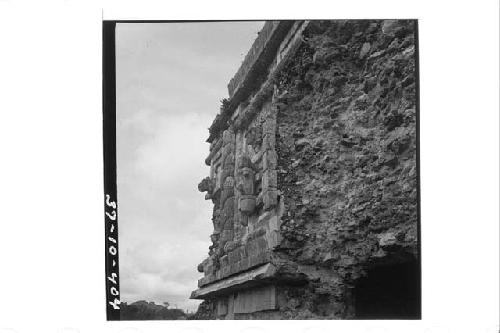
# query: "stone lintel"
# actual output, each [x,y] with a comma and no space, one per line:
[254,277]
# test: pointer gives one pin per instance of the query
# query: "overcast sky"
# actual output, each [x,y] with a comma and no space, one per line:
[170,78]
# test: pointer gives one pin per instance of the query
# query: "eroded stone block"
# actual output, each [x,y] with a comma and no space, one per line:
[251,248]
[261,244]
[228,136]
[244,263]
[270,199]
[269,127]
[222,307]
[259,259]
[269,142]
[253,300]
[247,203]
[224,260]
[228,149]
[270,160]
[273,223]
[269,180]
[227,234]
[237,267]
[273,238]
[232,257]
[226,270]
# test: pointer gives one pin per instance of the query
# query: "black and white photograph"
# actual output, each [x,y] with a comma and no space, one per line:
[302,137]
[250,167]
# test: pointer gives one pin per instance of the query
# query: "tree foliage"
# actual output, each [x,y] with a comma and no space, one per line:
[142,310]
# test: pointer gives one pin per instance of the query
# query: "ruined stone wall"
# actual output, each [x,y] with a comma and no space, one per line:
[313,172]
[347,151]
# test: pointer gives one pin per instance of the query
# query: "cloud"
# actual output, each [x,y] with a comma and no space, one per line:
[164,221]
[170,79]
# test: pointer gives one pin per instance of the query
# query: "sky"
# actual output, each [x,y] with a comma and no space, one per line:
[170,78]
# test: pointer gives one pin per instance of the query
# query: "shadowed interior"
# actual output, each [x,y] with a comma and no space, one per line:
[389,292]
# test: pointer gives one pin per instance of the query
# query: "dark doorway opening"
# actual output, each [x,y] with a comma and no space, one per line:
[389,292]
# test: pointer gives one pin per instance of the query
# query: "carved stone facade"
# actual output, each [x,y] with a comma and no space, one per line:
[316,107]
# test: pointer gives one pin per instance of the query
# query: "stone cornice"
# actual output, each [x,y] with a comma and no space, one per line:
[254,277]
[252,72]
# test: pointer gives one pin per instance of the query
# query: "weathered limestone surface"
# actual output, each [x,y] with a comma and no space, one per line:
[313,171]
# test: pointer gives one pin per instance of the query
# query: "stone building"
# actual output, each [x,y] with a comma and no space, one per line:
[313,176]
